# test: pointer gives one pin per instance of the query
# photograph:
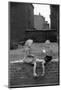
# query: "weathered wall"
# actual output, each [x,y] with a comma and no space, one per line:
[21,18]
[42,36]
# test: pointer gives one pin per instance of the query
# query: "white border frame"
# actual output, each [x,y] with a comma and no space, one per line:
[4,43]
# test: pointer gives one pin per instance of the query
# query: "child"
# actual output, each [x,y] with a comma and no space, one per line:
[27,46]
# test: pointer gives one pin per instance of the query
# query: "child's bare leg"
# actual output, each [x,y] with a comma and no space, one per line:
[43,67]
[34,69]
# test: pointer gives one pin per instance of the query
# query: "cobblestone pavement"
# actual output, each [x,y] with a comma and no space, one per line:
[22,74]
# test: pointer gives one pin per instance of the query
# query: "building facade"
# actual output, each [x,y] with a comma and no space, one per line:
[54,17]
[40,23]
[21,19]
